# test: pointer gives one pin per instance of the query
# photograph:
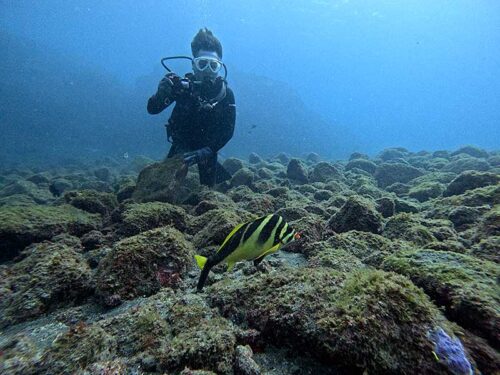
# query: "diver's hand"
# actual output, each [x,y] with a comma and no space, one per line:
[198,156]
[165,87]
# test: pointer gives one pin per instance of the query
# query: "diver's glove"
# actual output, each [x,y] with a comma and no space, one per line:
[171,87]
[164,92]
[198,156]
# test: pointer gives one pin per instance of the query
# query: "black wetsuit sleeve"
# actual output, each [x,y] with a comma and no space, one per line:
[227,122]
[156,104]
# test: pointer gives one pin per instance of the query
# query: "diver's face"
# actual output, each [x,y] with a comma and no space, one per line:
[206,65]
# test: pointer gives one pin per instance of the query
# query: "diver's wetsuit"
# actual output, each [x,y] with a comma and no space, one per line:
[192,128]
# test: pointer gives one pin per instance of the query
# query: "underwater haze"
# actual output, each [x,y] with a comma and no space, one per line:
[326,76]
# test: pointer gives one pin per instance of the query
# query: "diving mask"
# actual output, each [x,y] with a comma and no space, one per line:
[205,62]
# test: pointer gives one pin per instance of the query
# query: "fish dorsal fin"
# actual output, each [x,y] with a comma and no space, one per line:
[231,235]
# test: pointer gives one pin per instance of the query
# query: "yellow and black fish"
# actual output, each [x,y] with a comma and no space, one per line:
[249,241]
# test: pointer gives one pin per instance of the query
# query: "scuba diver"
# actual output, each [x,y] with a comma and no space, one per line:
[203,118]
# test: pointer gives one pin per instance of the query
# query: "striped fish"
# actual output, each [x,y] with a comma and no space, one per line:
[249,241]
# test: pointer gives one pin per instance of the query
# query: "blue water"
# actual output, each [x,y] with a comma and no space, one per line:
[327,76]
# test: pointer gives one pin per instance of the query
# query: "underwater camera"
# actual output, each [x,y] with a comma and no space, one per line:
[196,86]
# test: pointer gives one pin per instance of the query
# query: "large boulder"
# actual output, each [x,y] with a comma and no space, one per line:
[363,164]
[142,264]
[371,321]
[470,180]
[466,286]
[408,227]
[51,275]
[23,225]
[356,214]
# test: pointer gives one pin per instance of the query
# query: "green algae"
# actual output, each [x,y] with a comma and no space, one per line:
[465,285]
[22,225]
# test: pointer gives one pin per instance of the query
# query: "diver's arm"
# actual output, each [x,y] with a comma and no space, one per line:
[156,104]
[227,122]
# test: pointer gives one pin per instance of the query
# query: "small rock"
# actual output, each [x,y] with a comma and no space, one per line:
[356,214]
[244,363]
[103,174]
[313,157]
[254,158]
[92,239]
[386,206]
[232,165]
[323,171]
[283,158]
[358,155]
[243,176]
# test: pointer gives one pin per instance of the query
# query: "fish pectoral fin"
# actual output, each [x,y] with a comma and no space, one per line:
[230,267]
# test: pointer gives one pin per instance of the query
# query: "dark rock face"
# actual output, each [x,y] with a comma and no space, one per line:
[356,214]
[390,173]
[470,180]
[296,171]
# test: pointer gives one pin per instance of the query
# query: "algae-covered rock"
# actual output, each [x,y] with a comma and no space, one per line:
[472,151]
[368,247]
[165,182]
[425,191]
[92,201]
[76,349]
[356,214]
[51,275]
[363,164]
[23,225]
[462,164]
[325,255]
[213,227]
[232,165]
[139,217]
[487,249]
[470,180]
[390,173]
[142,264]
[393,153]
[323,171]
[465,285]
[408,227]
[40,195]
[296,171]
[243,176]
[364,322]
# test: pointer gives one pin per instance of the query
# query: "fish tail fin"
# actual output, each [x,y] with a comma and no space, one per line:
[201,261]
[230,266]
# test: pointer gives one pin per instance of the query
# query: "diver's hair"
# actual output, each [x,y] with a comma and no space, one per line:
[206,40]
